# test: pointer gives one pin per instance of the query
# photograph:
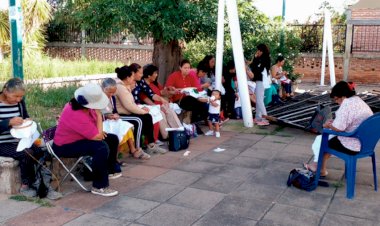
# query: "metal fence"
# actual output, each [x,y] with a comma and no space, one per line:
[73,34]
[312,37]
[365,38]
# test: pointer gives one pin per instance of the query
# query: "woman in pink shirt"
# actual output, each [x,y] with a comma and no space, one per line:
[183,79]
[80,133]
[351,113]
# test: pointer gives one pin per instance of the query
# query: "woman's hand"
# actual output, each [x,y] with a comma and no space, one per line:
[145,109]
[16,121]
[328,124]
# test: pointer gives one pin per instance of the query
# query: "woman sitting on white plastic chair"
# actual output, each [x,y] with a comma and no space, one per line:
[12,114]
[351,113]
[80,133]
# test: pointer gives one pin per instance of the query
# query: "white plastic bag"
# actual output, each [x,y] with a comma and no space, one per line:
[266,79]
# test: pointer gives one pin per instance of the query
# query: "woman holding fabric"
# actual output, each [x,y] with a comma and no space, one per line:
[351,113]
[110,113]
[80,133]
[12,114]
[128,109]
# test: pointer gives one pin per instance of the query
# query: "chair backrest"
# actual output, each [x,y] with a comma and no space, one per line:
[368,133]
[48,135]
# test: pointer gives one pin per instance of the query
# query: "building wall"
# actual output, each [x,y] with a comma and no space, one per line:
[365,70]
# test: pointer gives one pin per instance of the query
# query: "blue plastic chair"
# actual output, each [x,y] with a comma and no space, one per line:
[368,134]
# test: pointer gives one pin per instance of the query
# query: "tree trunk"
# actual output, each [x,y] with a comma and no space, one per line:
[167,58]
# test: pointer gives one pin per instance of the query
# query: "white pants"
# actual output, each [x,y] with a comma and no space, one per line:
[316,146]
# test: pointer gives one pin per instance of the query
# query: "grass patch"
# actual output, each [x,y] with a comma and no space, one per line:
[45,105]
[338,184]
[41,202]
[47,67]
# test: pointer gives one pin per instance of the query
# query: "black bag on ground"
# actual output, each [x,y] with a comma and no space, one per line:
[178,140]
[42,182]
[320,116]
[304,179]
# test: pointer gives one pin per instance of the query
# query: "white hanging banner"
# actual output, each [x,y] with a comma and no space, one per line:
[237,48]
[219,46]
[327,46]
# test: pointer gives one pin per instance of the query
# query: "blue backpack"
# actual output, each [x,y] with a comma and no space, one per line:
[304,179]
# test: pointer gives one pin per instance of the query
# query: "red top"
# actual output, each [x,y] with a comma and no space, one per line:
[75,125]
[178,81]
[156,90]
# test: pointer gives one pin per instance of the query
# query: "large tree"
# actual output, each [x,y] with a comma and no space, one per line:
[169,22]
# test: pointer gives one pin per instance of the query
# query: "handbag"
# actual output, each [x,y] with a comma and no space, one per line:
[266,79]
[178,140]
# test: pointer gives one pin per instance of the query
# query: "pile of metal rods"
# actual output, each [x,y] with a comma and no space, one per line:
[299,111]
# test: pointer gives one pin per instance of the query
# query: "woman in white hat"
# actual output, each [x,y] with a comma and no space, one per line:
[80,133]
[12,114]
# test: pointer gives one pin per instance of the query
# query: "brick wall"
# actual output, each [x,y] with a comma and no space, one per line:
[365,14]
[362,70]
[125,55]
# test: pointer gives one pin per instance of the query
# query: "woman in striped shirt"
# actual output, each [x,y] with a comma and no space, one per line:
[12,113]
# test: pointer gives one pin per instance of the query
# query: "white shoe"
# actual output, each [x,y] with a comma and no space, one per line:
[114,175]
[104,192]
[217,134]
[209,133]
[159,143]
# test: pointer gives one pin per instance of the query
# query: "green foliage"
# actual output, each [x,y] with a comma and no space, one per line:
[36,13]
[165,20]
[53,67]
[255,28]
[44,105]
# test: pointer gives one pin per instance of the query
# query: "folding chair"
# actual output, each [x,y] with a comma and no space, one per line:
[48,136]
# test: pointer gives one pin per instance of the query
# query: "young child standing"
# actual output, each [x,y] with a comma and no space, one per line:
[214,114]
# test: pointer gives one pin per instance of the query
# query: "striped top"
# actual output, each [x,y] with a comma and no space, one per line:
[7,112]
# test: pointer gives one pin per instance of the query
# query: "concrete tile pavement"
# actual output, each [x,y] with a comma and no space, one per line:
[243,185]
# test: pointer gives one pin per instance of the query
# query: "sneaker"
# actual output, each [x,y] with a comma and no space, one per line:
[156,149]
[159,143]
[217,134]
[108,192]
[53,195]
[114,175]
[28,192]
[209,133]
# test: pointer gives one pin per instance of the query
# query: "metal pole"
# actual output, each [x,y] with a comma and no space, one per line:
[15,21]
[237,48]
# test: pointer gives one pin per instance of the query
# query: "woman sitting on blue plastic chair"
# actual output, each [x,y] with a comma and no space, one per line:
[351,113]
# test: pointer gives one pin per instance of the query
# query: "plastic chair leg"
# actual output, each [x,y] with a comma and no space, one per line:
[351,163]
[374,170]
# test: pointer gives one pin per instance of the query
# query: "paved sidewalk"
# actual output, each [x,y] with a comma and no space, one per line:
[243,185]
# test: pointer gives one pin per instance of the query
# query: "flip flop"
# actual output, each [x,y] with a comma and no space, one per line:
[307,166]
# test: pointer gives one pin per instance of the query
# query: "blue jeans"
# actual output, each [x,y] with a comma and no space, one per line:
[103,155]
